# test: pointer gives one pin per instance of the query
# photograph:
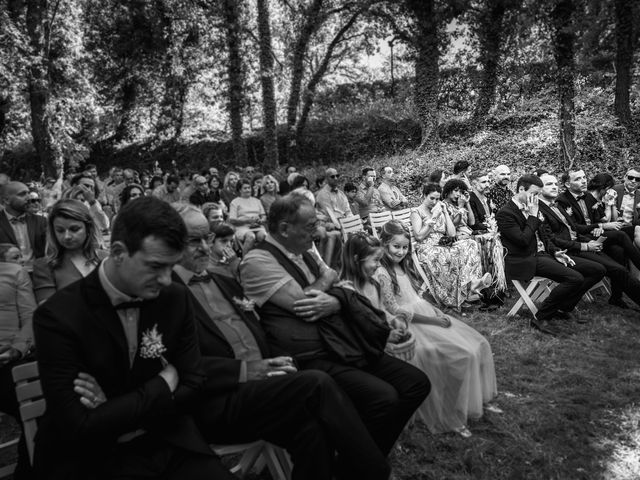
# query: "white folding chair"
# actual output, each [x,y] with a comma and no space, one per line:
[351,224]
[377,220]
[536,291]
[32,404]
[403,216]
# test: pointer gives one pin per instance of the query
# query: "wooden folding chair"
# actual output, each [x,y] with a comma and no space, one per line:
[7,470]
[537,290]
[32,404]
[403,216]
[258,454]
[351,224]
[377,220]
[602,284]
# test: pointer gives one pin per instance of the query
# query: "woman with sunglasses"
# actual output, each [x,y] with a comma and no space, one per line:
[72,249]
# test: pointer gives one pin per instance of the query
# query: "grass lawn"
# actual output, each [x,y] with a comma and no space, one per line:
[571,406]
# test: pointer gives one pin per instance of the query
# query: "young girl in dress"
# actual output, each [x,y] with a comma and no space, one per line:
[457,359]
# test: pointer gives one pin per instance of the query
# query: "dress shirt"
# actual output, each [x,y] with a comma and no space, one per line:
[627,206]
[20,230]
[162,193]
[369,200]
[226,318]
[555,209]
[129,317]
[391,195]
[333,203]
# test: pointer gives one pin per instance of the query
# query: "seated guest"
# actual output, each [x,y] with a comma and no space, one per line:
[213,212]
[18,226]
[391,196]
[628,197]
[456,198]
[332,201]
[256,184]
[229,190]
[586,213]
[530,253]
[17,305]
[90,195]
[350,190]
[285,185]
[289,287]
[600,188]
[72,249]
[215,186]
[248,216]
[500,193]
[562,231]
[439,177]
[460,169]
[368,196]
[252,395]
[116,405]
[223,258]
[457,359]
[453,267]
[481,206]
[168,192]
[131,192]
[268,192]
[202,194]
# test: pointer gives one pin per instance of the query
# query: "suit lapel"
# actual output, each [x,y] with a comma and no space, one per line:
[31,231]
[5,224]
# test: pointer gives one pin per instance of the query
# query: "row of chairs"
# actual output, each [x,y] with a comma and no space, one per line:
[255,455]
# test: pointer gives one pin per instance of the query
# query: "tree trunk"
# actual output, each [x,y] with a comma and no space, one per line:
[624,59]
[234,71]
[426,68]
[490,37]
[318,75]
[563,36]
[48,152]
[269,113]
[127,127]
[298,55]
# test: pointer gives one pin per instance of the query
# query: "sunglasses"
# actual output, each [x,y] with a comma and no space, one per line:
[633,179]
[34,200]
[337,175]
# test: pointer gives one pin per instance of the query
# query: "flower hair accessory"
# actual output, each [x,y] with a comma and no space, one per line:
[152,346]
[244,304]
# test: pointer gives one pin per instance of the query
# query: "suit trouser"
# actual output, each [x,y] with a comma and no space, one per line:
[572,284]
[621,248]
[621,280]
[385,393]
[307,413]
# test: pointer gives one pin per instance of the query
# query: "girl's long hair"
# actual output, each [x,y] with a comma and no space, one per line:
[72,210]
[356,249]
[388,231]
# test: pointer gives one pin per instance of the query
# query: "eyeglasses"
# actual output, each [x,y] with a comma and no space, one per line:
[337,175]
[34,200]
[633,179]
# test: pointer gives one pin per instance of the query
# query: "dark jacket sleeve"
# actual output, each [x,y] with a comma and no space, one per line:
[511,230]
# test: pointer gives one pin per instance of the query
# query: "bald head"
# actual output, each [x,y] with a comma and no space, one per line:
[502,175]
[14,197]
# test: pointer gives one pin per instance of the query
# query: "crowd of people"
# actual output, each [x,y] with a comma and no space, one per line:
[168,312]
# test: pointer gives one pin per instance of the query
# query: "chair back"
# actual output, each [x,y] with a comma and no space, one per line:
[377,220]
[403,216]
[350,224]
[29,395]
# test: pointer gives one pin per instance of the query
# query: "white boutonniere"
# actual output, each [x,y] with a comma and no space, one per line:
[152,346]
[245,304]
[492,205]
[541,216]
[569,211]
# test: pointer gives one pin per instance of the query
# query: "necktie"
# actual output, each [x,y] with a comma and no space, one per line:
[204,278]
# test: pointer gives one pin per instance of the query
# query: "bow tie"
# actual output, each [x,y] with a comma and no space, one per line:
[204,278]
[580,197]
[553,204]
[20,219]
[131,304]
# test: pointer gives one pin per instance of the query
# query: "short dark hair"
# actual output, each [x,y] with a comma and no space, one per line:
[286,169]
[350,187]
[566,175]
[299,181]
[600,181]
[538,172]
[460,166]
[222,230]
[453,184]
[366,170]
[435,176]
[476,174]
[430,188]
[172,179]
[286,209]
[149,217]
[89,166]
[526,181]
[241,182]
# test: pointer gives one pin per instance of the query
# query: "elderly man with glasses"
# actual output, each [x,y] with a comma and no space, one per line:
[332,201]
[628,200]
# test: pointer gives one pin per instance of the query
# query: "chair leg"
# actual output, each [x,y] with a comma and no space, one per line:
[525,297]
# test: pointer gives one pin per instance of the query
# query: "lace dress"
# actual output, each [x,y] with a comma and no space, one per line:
[458,360]
[449,268]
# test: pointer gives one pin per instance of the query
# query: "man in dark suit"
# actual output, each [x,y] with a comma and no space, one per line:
[559,227]
[289,285]
[583,209]
[530,253]
[481,206]
[252,395]
[19,227]
[628,200]
[120,365]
